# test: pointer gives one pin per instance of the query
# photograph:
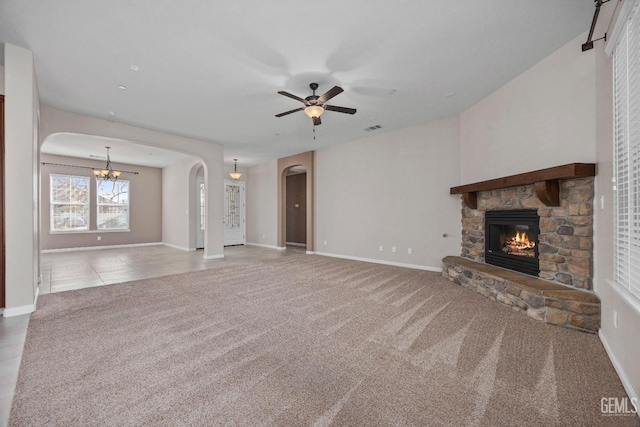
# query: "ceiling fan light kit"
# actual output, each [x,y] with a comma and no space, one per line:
[314,111]
[315,105]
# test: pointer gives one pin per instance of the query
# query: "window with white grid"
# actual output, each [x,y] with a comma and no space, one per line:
[113,204]
[69,198]
[626,63]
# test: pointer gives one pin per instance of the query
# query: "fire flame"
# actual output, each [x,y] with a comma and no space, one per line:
[521,241]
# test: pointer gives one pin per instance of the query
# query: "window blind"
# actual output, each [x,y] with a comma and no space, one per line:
[626,65]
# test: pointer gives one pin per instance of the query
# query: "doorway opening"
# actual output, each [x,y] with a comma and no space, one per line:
[234,213]
[296,203]
[304,160]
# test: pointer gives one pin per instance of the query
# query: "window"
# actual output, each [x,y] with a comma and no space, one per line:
[69,203]
[626,65]
[113,204]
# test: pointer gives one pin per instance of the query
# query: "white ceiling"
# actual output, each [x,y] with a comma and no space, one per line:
[94,148]
[211,69]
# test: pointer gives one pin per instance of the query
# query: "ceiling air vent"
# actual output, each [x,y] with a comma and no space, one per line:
[374,127]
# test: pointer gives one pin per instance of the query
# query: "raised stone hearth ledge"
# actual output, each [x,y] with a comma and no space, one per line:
[540,299]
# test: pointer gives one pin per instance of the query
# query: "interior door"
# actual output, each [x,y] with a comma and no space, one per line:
[234,211]
[200,212]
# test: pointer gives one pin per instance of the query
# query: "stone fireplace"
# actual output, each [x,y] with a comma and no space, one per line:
[539,226]
[565,247]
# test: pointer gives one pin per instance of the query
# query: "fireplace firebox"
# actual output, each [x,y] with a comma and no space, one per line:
[511,240]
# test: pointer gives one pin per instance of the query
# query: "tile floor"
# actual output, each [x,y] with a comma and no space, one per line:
[65,271]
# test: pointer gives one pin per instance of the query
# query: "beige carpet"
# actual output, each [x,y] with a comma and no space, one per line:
[305,340]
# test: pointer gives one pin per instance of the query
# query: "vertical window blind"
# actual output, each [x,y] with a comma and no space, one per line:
[626,63]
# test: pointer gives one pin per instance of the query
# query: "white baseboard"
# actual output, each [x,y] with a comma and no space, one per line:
[97,248]
[213,256]
[379,261]
[281,248]
[18,311]
[311,252]
[261,245]
[302,245]
[182,248]
[23,309]
[618,367]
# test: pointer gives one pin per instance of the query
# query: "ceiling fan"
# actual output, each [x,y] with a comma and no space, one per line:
[315,105]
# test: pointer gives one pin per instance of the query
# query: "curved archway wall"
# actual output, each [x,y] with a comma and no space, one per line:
[209,155]
[302,159]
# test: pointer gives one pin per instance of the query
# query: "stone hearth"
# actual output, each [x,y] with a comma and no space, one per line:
[539,299]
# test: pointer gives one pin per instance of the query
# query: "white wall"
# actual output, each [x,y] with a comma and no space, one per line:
[262,204]
[21,173]
[177,212]
[210,154]
[391,189]
[545,117]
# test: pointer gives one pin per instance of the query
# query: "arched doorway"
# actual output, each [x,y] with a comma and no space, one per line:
[304,160]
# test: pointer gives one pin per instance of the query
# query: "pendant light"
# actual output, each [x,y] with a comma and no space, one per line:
[107,174]
[235,174]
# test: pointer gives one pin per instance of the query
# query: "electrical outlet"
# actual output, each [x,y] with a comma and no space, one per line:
[264,237]
[393,249]
[99,237]
[615,319]
[410,251]
[325,243]
[381,248]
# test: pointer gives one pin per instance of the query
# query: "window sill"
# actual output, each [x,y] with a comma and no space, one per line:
[626,296]
[124,230]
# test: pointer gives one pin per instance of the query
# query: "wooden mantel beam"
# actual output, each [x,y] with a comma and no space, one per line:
[544,180]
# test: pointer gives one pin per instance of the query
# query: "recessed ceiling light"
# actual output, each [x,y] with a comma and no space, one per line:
[134,68]
[450,94]
[122,87]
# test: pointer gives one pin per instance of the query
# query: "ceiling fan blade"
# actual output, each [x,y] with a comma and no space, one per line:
[297,98]
[340,109]
[330,94]
[317,121]
[289,112]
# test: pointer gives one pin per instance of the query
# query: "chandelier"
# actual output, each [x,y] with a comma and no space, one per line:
[235,174]
[107,174]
